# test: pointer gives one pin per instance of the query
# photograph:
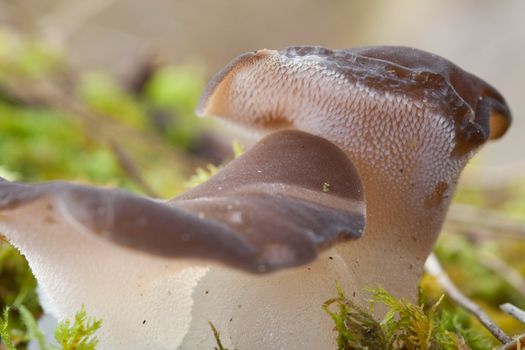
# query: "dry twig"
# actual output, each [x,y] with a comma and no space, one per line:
[514,311]
[434,268]
[517,344]
[519,314]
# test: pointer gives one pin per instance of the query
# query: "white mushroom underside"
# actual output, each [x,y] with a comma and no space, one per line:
[370,125]
[152,303]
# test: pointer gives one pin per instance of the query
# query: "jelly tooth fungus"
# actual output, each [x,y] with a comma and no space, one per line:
[351,184]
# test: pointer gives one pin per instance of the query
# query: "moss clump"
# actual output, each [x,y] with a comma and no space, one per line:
[203,174]
[355,327]
[78,334]
[405,326]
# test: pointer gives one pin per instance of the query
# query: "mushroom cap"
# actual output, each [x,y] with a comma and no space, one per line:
[290,197]
[247,89]
[266,210]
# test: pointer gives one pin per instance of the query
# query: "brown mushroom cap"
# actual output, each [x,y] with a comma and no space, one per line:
[478,111]
[276,206]
[490,108]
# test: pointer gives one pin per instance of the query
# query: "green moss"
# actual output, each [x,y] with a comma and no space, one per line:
[104,95]
[238,149]
[202,175]
[33,330]
[17,285]
[42,144]
[172,94]
[355,328]
[5,334]
[78,334]
[175,87]
[405,326]
[28,58]
[217,337]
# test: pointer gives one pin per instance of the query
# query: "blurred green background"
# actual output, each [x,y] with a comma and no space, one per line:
[103,92]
